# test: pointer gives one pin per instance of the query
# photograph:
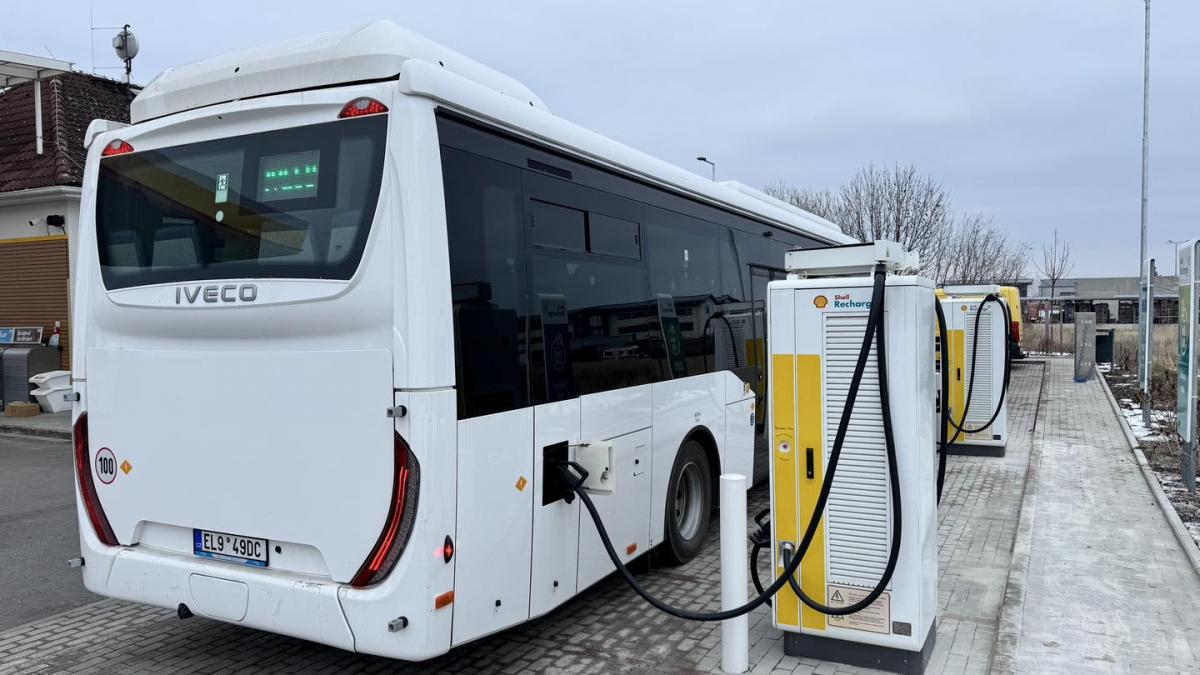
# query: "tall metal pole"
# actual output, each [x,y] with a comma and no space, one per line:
[1147,318]
[1176,244]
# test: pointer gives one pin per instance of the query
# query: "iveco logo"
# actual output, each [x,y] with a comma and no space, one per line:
[213,294]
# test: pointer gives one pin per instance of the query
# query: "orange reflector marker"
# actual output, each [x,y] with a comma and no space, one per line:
[443,600]
[630,549]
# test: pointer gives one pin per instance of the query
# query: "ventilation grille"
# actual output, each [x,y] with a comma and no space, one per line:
[981,395]
[859,504]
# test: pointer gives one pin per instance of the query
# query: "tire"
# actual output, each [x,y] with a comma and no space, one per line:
[689,504]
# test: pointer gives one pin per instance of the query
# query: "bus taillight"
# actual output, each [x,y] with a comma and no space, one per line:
[91,500]
[1015,330]
[362,106]
[402,513]
[117,147]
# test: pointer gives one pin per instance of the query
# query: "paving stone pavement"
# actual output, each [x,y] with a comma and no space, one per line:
[607,629]
[1108,588]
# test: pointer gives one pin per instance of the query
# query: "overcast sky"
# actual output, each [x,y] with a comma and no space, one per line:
[1029,111]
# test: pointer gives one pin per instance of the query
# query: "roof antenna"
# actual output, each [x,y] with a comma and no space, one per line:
[126,46]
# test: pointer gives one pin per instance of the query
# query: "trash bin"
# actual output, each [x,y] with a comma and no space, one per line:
[20,362]
[1104,345]
[52,390]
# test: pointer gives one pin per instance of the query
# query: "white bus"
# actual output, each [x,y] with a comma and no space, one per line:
[336,303]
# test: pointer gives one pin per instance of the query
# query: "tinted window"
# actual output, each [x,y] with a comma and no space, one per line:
[610,283]
[732,284]
[555,226]
[291,203]
[683,255]
[487,272]
[613,236]
[595,328]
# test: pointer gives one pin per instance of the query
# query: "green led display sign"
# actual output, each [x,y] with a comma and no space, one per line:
[289,176]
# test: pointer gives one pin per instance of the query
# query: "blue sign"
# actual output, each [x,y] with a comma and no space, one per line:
[6,336]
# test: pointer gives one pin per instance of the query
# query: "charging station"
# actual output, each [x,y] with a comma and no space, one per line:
[881,465]
[976,340]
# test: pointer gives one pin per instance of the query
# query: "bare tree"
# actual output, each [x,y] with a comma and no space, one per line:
[824,203]
[977,251]
[1055,265]
[906,206]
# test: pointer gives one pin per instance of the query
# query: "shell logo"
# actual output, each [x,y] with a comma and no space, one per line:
[820,301]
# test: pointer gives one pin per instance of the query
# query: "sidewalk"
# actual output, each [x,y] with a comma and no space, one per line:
[1108,588]
[52,425]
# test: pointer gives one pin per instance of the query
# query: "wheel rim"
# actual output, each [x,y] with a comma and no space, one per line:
[689,501]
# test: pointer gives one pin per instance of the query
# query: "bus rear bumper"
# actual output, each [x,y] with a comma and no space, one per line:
[274,602]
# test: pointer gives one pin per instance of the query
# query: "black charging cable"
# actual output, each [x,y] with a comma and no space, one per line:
[575,475]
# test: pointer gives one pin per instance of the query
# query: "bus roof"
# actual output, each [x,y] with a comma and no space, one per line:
[384,50]
[375,51]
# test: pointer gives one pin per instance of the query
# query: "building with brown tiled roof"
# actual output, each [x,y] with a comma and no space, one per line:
[39,193]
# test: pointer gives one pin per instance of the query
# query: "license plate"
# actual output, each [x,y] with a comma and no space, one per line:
[230,547]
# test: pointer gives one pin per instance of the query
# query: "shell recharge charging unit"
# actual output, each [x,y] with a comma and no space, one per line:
[961,305]
[818,317]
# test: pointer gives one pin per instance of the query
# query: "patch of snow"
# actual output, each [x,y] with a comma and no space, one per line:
[1133,417]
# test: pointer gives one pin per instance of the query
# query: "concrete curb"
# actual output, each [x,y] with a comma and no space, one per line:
[1184,538]
[1008,628]
[28,431]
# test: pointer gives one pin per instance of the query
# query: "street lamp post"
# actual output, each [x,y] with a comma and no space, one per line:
[1147,318]
[1175,253]
[712,165]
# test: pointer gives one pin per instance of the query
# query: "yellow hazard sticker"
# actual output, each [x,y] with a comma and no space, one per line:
[126,467]
[521,483]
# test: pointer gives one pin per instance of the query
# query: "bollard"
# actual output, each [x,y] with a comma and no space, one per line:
[735,633]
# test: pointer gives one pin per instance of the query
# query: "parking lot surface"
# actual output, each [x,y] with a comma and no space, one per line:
[37,530]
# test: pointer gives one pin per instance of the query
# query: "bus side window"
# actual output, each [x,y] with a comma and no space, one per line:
[604,333]
[487,276]
[685,265]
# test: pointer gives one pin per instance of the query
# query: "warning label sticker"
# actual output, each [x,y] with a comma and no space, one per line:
[876,618]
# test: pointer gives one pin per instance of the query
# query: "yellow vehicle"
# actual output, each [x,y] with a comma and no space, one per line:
[1012,298]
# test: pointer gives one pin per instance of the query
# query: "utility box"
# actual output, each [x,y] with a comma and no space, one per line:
[978,356]
[1085,345]
[815,333]
[18,363]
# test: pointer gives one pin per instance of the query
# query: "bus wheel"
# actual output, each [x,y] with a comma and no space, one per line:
[689,504]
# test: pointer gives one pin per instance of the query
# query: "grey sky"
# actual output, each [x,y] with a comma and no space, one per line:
[1030,111]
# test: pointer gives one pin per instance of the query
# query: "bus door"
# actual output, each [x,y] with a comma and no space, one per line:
[756,353]
[555,522]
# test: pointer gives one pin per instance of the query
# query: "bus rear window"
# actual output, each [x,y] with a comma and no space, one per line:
[294,203]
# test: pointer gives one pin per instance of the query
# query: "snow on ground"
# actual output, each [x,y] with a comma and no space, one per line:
[1158,420]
